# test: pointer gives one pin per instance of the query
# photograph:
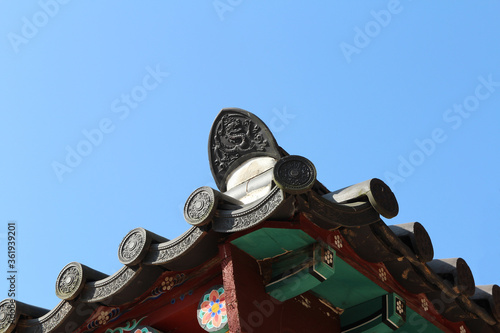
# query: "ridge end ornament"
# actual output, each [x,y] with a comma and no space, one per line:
[8,315]
[294,174]
[133,247]
[236,136]
[70,281]
[201,206]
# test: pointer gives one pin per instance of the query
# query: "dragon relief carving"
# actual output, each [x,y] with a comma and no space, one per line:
[234,136]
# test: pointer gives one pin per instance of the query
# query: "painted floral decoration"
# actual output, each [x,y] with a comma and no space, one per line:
[103,317]
[328,258]
[168,283]
[212,313]
[144,330]
[425,305]
[382,274]
[400,307]
[338,241]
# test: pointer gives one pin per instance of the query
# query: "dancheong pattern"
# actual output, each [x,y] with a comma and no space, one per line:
[212,313]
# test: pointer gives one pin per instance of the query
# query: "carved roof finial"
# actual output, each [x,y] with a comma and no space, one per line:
[237,136]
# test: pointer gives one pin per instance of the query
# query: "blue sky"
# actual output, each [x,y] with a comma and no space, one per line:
[405,91]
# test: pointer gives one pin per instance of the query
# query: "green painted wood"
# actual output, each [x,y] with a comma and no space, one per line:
[345,287]
[270,242]
[292,286]
[301,270]
[381,314]
[417,324]
[348,287]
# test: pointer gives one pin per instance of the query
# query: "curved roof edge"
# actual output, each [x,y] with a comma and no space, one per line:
[215,216]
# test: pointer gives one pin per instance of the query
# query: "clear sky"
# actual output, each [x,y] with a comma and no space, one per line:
[106,109]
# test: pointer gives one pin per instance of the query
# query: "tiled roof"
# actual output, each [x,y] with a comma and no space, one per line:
[258,181]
